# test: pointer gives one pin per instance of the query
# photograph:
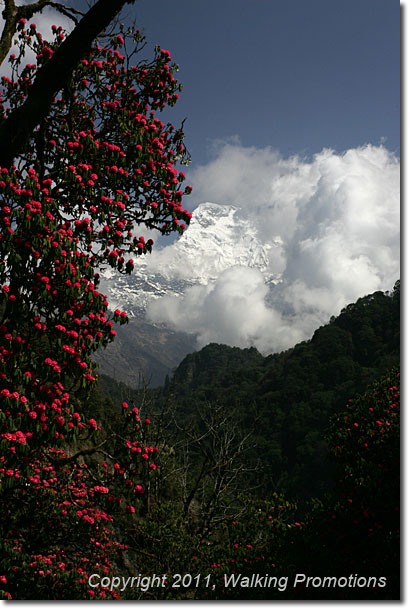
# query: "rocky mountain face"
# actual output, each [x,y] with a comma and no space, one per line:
[217,239]
[143,353]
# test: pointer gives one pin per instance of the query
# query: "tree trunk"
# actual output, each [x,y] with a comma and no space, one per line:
[18,127]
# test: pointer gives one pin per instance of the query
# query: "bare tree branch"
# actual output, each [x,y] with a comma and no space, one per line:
[81,453]
[68,11]
[213,489]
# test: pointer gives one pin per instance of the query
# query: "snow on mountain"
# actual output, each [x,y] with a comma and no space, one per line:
[217,239]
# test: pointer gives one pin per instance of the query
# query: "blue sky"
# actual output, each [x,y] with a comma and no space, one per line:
[295,75]
[268,85]
[293,110]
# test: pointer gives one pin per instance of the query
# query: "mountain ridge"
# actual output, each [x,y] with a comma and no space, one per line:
[291,396]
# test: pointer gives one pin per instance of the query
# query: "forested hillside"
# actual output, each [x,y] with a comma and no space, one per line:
[265,462]
[286,400]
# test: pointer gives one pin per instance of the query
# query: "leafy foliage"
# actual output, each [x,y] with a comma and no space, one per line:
[98,167]
[350,535]
[356,528]
[291,396]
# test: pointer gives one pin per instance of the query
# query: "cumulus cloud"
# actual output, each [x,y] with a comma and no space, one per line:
[231,310]
[334,220]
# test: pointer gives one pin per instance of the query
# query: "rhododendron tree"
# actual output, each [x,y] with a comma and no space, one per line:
[55,75]
[95,173]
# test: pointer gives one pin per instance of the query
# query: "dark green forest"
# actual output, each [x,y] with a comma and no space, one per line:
[259,470]
[285,400]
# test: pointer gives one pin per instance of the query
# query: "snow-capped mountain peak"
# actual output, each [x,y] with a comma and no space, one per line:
[217,239]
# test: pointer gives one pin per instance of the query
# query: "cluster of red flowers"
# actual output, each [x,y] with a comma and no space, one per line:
[97,169]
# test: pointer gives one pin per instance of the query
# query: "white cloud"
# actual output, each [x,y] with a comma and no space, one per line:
[337,218]
[231,310]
